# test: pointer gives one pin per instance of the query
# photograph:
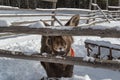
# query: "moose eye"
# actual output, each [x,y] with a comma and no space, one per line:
[65,46]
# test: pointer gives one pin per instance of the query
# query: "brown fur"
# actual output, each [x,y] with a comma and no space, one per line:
[60,45]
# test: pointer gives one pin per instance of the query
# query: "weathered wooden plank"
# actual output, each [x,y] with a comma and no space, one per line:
[114,65]
[62,31]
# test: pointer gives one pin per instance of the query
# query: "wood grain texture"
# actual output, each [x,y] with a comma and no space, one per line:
[58,31]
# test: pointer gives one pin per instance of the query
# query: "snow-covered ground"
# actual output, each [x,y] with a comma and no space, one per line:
[106,25]
[16,69]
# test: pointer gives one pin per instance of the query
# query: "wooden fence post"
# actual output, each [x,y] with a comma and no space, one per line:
[107,4]
[95,1]
[119,3]
[27,2]
[53,19]
[54,2]
[54,7]
[110,54]
[88,51]
[99,52]
[90,6]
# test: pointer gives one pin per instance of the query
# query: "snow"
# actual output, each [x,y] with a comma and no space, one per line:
[86,77]
[14,44]
[61,27]
[40,24]
[91,59]
[44,54]
[74,9]
[4,23]
[8,7]
[37,24]
[15,69]
[59,57]
[106,25]
[116,60]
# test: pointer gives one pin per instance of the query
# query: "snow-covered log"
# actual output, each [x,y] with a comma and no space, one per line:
[62,30]
[96,63]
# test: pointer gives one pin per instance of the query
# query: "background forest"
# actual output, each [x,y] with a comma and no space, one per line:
[60,4]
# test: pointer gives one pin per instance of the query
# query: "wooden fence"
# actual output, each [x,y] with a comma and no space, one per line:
[62,30]
[114,11]
[110,56]
[90,16]
[105,15]
[47,12]
[58,31]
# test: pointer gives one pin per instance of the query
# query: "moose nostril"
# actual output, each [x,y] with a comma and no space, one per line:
[60,48]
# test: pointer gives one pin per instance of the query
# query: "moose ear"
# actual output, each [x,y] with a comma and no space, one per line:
[74,21]
[48,41]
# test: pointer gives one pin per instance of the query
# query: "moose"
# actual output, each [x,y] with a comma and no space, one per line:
[59,45]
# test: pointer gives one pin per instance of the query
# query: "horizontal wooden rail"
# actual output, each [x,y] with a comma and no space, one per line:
[97,63]
[61,10]
[24,15]
[98,10]
[114,11]
[62,30]
[40,15]
[114,7]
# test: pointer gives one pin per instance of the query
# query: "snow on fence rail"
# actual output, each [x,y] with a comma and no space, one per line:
[114,7]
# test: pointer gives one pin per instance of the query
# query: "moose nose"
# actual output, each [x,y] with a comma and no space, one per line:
[60,48]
